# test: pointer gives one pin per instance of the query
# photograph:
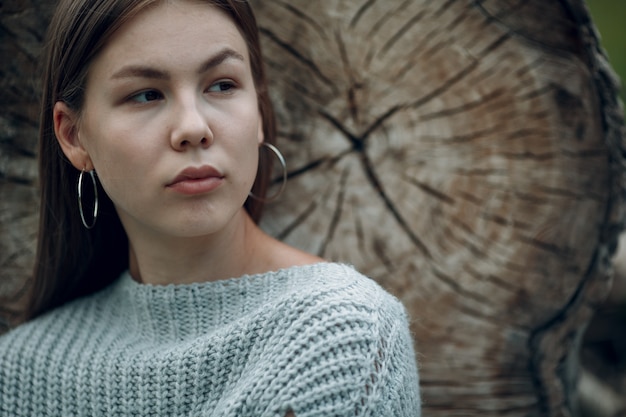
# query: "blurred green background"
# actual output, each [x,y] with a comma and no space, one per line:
[609,17]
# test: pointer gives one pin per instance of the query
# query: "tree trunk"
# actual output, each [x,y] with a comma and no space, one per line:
[465,154]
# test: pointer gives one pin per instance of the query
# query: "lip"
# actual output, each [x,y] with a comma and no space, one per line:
[196,180]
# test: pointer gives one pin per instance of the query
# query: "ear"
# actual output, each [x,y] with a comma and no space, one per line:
[66,131]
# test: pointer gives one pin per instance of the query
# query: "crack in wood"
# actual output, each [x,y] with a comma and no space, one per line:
[465,293]
[542,91]
[503,221]
[464,241]
[481,172]
[413,56]
[479,253]
[563,192]
[359,13]
[381,22]
[497,281]
[359,231]
[465,107]
[445,86]
[353,107]
[528,155]
[526,133]
[444,198]
[304,17]
[543,246]
[399,34]
[444,6]
[470,197]
[527,197]
[528,68]
[537,335]
[314,164]
[510,10]
[357,143]
[359,146]
[463,138]
[457,21]
[586,153]
[513,267]
[301,219]
[307,62]
[462,225]
[521,16]
[378,246]
[494,45]
[377,185]
[334,222]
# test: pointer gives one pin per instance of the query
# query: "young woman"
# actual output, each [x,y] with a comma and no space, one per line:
[155,292]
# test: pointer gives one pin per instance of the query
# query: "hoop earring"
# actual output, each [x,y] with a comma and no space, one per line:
[80,199]
[283,184]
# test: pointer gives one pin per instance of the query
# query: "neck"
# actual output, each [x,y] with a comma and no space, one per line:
[229,253]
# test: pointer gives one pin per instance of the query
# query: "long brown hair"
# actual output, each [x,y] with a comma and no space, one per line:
[72,261]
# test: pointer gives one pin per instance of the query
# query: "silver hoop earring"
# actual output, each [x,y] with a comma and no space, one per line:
[283,184]
[80,199]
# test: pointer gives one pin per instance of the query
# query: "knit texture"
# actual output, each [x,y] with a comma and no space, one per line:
[321,340]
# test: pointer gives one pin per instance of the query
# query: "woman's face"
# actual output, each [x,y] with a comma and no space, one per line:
[171,122]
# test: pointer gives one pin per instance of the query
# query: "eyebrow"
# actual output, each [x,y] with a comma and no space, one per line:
[141,71]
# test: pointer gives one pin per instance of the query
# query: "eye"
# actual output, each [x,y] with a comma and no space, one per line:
[222,86]
[146,96]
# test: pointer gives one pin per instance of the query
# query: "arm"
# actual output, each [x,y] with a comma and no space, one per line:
[395,387]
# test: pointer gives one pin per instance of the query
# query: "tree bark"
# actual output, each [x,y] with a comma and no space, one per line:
[465,154]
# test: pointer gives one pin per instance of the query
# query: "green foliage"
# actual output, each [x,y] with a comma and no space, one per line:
[609,17]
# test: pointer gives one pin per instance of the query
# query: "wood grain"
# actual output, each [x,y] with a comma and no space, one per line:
[457,153]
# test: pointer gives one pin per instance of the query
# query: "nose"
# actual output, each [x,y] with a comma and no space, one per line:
[190,127]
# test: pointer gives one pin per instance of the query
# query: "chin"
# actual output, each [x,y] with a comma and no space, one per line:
[204,226]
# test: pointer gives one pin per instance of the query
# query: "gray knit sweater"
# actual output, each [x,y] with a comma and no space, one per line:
[319,340]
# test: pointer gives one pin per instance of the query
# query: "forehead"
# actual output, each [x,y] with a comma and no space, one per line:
[174,29]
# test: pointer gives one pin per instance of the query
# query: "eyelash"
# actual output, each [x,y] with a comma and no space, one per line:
[230,85]
[134,97]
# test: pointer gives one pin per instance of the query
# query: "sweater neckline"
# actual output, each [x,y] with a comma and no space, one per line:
[181,311]
[129,283]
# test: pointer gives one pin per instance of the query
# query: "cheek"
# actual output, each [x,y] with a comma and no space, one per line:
[119,159]
[248,136]
[245,161]
[116,160]
[253,146]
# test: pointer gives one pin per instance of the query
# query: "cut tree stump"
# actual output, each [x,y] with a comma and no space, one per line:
[468,156]
[465,154]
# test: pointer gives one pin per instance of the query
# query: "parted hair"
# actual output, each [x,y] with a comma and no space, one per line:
[72,261]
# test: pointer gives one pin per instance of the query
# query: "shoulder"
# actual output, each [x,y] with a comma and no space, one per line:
[335,300]
[341,327]
[53,327]
[342,283]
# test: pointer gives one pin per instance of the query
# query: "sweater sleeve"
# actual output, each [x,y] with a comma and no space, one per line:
[365,363]
[342,349]
[395,385]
